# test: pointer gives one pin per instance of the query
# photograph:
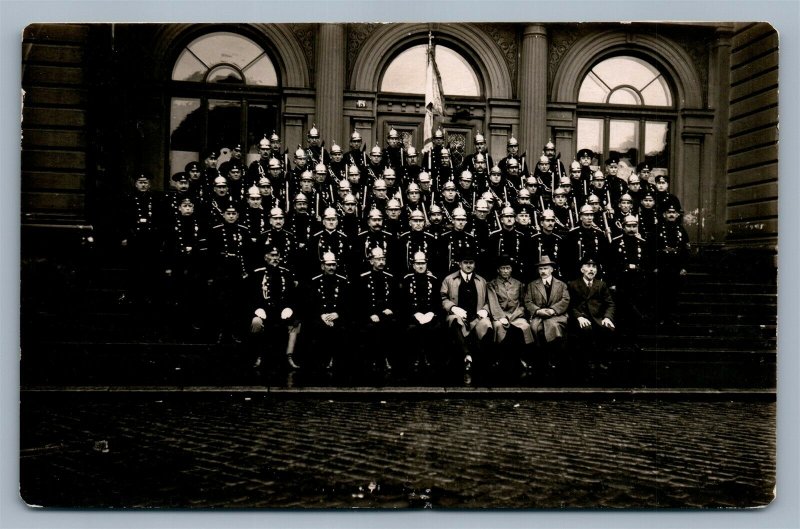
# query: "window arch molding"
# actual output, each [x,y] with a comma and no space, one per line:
[444,41]
[664,54]
[380,48]
[277,40]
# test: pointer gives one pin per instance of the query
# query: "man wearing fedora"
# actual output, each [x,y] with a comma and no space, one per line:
[592,311]
[547,300]
[464,299]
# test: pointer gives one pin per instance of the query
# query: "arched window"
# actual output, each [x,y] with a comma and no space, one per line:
[626,108]
[223,94]
[406,73]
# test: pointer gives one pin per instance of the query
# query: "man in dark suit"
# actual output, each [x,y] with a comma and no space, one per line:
[592,311]
[547,300]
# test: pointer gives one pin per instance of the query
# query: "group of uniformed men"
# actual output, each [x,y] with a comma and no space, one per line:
[372,253]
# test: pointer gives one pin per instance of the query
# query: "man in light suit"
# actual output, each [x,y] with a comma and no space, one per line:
[464,299]
[512,332]
[547,300]
[592,311]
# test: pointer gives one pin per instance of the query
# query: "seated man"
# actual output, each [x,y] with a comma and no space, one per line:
[327,312]
[592,311]
[376,300]
[512,332]
[547,301]
[274,300]
[464,300]
[420,312]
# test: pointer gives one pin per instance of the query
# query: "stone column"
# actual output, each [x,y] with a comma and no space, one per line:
[330,71]
[533,91]
[713,192]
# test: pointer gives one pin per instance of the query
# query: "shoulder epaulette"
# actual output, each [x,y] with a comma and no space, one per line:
[341,277]
[365,274]
[362,232]
[217,226]
[316,277]
[340,232]
[495,231]
[575,228]
[446,232]
[408,275]
[406,233]
[433,276]
[388,233]
[261,269]
[318,233]
[284,269]
[615,238]
[388,274]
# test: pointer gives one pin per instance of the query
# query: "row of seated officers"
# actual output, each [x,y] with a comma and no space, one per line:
[363,268]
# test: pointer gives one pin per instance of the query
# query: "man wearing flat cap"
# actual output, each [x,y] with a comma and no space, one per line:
[512,332]
[547,301]
[464,300]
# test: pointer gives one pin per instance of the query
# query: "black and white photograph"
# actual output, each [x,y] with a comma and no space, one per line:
[399,266]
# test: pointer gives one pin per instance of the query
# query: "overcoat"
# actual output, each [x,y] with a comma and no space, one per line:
[536,298]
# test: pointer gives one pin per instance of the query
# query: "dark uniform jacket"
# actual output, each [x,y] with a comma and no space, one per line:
[274,290]
[377,292]
[420,294]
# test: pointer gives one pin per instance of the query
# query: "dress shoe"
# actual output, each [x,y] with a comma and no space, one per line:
[467,363]
[290,362]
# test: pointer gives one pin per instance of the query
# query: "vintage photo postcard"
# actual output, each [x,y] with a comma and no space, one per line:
[521,265]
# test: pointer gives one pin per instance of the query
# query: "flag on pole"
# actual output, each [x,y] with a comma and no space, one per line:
[434,97]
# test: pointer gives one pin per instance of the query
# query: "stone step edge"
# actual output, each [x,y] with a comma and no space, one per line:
[322,391]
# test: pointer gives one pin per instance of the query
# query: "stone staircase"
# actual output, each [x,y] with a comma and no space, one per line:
[75,333]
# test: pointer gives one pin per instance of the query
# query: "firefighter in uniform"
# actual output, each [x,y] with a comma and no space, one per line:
[421,307]
[260,167]
[585,239]
[631,262]
[393,155]
[508,241]
[356,156]
[454,243]
[373,237]
[377,301]
[275,316]
[315,151]
[141,222]
[331,239]
[672,253]
[184,257]
[327,314]
[413,241]
[547,242]
[230,254]
[283,239]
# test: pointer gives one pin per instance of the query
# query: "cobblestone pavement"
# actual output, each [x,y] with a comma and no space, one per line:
[277,452]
